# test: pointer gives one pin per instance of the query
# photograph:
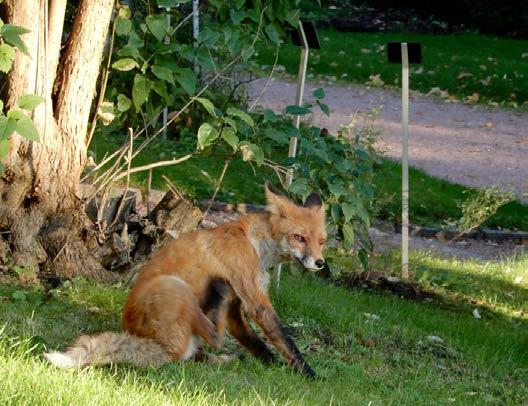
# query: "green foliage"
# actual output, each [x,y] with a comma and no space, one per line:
[157,66]
[480,207]
[15,120]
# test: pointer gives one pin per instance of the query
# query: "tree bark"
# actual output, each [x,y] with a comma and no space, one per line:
[38,201]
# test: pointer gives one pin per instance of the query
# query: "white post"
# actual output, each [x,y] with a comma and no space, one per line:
[196,26]
[405,161]
[292,152]
[301,79]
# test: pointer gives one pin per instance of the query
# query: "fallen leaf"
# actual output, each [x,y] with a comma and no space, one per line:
[486,81]
[483,67]
[375,80]
[464,75]
[436,91]
[371,316]
[524,55]
[476,314]
[366,50]
[435,339]
[472,99]
[333,64]
[518,280]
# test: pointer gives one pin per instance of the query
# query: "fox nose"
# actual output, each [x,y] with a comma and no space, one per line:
[319,263]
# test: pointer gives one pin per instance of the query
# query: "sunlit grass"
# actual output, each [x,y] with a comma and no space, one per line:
[358,360]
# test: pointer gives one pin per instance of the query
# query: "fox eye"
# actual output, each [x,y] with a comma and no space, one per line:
[322,242]
[299,238]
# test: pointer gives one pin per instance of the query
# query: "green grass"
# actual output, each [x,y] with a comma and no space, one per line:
[387,361]
[432,200]
[461,64]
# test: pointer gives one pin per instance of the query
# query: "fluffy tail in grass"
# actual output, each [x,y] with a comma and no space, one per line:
[106,348]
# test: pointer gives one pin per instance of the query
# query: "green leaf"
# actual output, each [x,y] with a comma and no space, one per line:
[187,79]
[349,210]
[125,64]
[363,258]
[248,52]
[123,26]
[337,189]
[7,55]
[7,127]
[272,33]
[207,134]
[18,295]
[251,152]
[29,101]
[13,29]
[123,103]
[300,187]
[229,136]
[134,40]
[162,73]
[27,129]
[4,148]
[242,115]
[130,51]
[140,90]
[157,25]
[270,116]
[319,93]
[239,3]
[208,105]
[297,110]
[231,122]
[324,108]
[277,136]
[11,34]
[124,12]
[160,87]
[237,16]
[348,233]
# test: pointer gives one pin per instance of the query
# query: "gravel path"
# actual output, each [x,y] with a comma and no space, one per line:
[475,145]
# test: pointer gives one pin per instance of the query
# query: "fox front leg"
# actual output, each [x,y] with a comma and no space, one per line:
[258,306]
[267,319]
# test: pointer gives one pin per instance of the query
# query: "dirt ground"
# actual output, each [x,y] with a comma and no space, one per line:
[472,145]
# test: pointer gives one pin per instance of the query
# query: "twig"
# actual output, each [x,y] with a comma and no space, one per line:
[175,191]
[219,184]
[153,165]
[270,79]
[123,198]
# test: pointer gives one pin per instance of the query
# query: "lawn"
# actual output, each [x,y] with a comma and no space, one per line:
[366,347]
[432,200]
[494,68]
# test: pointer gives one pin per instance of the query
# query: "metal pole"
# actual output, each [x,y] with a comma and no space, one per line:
[301,79]
[405,161]
[196,27]
[292,152]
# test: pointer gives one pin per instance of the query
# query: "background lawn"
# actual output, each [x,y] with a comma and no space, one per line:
[494,68]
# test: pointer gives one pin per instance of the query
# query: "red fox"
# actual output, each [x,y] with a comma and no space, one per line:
[221,273]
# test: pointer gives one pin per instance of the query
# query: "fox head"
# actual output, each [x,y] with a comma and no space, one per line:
[300,230]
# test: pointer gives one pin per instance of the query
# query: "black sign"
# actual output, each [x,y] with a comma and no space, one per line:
[310,33]
[414,51]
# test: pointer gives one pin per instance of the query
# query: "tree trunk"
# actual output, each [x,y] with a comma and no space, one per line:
[38,201]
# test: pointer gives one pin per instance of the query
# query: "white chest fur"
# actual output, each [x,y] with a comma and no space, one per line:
[268,252]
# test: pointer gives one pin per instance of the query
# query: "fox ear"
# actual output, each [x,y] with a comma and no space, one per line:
[313,200]
[277,202]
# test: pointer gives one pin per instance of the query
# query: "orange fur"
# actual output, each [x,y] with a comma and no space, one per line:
[222,272]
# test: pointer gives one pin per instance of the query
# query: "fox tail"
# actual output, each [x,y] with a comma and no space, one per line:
[108,347]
